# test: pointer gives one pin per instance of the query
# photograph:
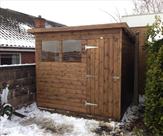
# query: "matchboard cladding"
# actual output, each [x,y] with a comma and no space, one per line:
[99,83]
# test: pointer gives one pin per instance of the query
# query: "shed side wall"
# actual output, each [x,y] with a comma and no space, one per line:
[127,84]
[141,58]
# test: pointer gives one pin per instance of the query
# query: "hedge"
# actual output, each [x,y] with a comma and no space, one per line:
[154,80]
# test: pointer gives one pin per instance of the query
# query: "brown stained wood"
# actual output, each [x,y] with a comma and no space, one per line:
[63,100]
[60,95]
[101,76]
[127,77]
[110,83]
[64,105]
[88,80]
[70,93]
[118,96]
[102,73]
[114,74]
[67,85]
[80,35]
[91,42]
[141,57]
[85,28]
[58,106]
[106,76]
[96,90]
[116,88]
[92,73]
[97,58]
[83,43]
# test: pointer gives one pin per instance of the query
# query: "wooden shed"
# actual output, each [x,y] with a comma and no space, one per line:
[88,70]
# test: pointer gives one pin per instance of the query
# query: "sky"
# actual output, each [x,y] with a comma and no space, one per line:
[73,12]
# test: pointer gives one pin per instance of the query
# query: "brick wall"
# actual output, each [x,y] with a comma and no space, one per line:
[21,80]
[27,57]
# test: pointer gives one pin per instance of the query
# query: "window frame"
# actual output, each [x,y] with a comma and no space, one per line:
[69,45]
[53,52]
[61,53]
[19,54]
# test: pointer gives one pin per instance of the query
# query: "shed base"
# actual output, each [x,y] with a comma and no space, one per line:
[79,115]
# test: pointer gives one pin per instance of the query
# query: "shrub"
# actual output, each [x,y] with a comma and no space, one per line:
[154,79]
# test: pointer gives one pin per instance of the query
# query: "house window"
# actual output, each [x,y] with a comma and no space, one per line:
[63,51]
[8,59]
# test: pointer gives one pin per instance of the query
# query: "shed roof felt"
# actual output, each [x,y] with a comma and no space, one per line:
[13,29]
[83,28]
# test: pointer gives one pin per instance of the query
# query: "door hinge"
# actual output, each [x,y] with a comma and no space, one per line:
[89,104]
[116,77]
[90,47]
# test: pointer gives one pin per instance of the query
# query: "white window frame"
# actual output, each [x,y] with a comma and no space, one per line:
[19,54]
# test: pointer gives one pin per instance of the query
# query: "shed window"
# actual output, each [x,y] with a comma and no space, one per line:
[71,50]
[64,51]
[51,50]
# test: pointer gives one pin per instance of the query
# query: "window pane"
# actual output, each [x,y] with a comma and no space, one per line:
[50,50]
[8,59]
[72,50]
[15,59]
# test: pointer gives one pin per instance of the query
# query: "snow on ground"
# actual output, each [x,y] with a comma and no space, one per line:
[44,123]
[133,113]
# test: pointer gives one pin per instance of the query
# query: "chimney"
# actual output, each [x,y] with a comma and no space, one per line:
[39,22]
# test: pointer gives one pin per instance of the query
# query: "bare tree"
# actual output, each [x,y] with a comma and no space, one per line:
[116,17]
[148,6]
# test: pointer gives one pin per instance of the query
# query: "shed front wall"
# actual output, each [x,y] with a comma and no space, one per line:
[96,80]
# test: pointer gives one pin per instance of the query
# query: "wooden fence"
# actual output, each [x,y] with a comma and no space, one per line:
[21,80]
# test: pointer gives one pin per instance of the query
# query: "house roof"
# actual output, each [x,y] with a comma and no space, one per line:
[13,29]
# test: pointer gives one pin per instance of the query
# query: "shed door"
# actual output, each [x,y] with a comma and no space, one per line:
[103,77]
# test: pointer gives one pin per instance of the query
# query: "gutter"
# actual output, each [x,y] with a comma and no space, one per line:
[19,50]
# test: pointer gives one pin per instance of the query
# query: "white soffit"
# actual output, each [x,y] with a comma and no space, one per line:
[140,20]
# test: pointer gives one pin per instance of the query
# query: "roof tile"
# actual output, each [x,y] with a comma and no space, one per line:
[13,29]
